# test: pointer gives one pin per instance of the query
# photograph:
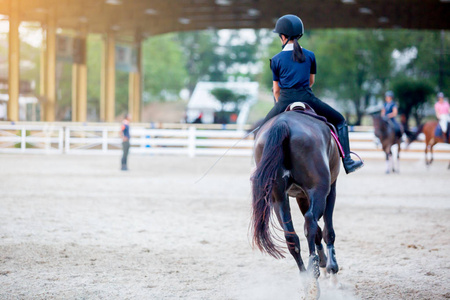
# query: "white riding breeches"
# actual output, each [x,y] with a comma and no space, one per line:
[443,121]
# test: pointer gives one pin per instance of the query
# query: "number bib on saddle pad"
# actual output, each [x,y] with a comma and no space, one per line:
[304,108]
[438,132]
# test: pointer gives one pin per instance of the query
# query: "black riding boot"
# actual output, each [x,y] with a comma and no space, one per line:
[349,164]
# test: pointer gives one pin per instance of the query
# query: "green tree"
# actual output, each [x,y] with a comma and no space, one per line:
[412,95]
[209,60]
[94,65]
[226,96]
[163,66]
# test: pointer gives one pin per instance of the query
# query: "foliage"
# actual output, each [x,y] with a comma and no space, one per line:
[227,96]
[412,95]
[210,58]
[163,62]
[94,64]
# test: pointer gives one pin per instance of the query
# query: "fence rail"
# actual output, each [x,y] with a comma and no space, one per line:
[190,141]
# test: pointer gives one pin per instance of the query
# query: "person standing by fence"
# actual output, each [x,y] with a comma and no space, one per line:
[125,133]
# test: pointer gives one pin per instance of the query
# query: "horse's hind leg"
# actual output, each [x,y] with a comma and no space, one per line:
[283,213]
[329,236]
[398,157]
[431,152]
[388,161]
[303,204]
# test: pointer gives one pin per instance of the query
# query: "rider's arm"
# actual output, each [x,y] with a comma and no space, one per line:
[312,78]
[276,90]
[383,112]
[394,113]
[436,111]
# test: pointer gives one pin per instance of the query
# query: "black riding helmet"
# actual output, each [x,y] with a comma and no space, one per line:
[290,26]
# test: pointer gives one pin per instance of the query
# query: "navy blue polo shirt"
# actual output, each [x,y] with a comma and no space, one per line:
[292,74]
[389,107]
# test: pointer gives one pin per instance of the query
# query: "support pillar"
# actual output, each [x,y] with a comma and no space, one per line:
[43,75]
[74,92]
[50,105]
[82,83]
[110,77]
[134,88]
[13,58]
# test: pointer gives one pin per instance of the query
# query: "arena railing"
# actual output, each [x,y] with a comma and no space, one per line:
[183,139]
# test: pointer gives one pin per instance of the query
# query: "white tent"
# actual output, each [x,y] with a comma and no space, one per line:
[203,102]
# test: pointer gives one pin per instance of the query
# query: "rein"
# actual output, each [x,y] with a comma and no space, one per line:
[225,153]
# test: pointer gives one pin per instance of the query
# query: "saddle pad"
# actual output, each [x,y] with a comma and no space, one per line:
[304,108]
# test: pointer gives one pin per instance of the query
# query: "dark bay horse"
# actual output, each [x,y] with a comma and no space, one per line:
[385,132]
[429,128]
[296,156]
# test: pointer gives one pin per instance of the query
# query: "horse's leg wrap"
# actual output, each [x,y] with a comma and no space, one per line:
[313,266]
[332,266]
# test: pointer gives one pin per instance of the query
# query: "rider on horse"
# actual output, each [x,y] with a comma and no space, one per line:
[294,70]
[390,111]
[442,109]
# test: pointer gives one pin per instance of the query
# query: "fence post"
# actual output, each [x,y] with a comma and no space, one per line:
[61,140]
[191,141]
[105,140]
[23,136]
[67,139]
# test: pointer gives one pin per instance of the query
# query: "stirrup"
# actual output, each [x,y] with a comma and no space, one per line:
[356,168]
[360,159]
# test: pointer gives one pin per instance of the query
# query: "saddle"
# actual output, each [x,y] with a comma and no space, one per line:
[305,109]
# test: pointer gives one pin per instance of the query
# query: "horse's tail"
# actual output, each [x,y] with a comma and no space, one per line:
[412,136]
[262,184]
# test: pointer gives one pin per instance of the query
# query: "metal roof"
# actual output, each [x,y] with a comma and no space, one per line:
[151,17]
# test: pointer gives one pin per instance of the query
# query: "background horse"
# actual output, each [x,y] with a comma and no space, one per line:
[385,132]
[429,128]
[296,156]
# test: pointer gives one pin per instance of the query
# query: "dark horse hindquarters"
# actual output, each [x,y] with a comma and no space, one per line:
[295,154]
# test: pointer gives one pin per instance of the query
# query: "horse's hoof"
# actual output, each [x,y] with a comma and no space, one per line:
[332,268]
[332,265]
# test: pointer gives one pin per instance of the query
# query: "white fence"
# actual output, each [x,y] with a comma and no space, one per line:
[31,139]
[189,141]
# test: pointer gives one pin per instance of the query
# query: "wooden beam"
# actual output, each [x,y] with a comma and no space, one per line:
[50,105]
[14,59]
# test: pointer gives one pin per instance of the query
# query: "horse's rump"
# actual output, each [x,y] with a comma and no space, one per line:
[295,151]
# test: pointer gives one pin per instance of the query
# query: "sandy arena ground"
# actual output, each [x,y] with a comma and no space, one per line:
[75,227]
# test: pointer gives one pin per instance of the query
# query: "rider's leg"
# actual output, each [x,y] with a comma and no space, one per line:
[396,125]
[443,122]
[335,118]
